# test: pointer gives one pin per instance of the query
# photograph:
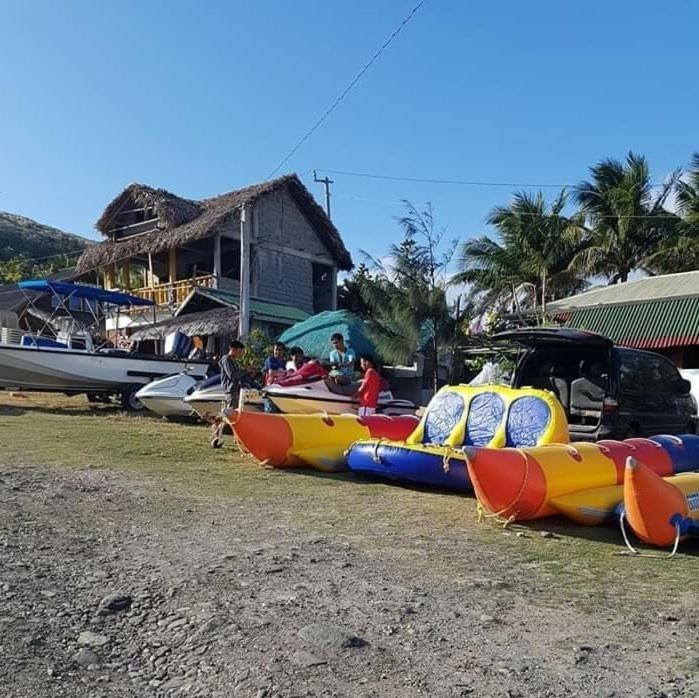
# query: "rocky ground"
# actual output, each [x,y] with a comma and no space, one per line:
[113,585]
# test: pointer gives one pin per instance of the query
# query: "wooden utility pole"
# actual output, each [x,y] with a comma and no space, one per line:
[327,182]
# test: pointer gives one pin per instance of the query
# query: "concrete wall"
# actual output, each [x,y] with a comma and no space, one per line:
[285,249]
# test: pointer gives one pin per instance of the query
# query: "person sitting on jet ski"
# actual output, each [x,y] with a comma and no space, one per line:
[296,360]
[274,366]
[343,357]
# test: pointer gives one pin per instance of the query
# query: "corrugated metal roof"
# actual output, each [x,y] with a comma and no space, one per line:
[672,322]
[650,288]
[262,310]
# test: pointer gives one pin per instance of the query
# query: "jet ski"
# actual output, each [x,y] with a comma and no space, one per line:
[309,391]
[207,398]
[166,395]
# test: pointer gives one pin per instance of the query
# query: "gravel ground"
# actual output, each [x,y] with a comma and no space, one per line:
[111,585]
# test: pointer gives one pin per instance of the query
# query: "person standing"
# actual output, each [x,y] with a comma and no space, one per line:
[233,376]
[370,387]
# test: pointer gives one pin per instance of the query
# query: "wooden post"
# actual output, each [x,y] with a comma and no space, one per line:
[172,264]
[333,297]
[217,260]
[109,276]
[151,278]
[244,309]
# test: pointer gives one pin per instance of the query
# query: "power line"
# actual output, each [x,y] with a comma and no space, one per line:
[396,202]
[463,182]
[346,91]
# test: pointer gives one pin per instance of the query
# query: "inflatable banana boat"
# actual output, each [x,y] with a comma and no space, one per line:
[660,511]
[574,479]
[311,440]
[463,416]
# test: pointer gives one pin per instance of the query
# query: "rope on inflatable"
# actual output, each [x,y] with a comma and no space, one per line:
[446,459]
[375,455]
[637,553]
[484,514]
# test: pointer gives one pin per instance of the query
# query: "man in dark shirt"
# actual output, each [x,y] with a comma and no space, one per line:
[233,377]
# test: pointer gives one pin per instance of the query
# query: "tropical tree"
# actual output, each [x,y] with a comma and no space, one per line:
[407,292]
[350,295]
[626,219]
[680,251]
[536,245]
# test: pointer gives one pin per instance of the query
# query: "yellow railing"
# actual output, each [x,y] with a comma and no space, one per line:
[173,293]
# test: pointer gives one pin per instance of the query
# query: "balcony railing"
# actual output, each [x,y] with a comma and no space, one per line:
[174,293]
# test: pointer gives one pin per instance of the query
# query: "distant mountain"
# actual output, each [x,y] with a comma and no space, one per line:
[23,237]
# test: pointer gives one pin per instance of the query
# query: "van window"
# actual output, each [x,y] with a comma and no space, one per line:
[668,375]
[647,373]
[631,373]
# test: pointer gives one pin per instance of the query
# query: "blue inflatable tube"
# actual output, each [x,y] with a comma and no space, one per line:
[409,463]
[683,450]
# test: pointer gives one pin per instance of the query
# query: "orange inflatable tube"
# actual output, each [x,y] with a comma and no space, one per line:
[312,440]
[657,510]
[522,483]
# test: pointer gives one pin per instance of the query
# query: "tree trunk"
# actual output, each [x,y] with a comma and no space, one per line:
[435,349]
[543,293]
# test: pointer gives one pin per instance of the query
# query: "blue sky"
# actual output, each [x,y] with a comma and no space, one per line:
[201,98]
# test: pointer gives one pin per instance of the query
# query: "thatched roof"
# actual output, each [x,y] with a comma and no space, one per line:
[172,210]
[220,321]
[184,220]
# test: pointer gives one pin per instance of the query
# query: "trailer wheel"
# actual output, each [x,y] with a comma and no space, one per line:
[128,398]
[216,442]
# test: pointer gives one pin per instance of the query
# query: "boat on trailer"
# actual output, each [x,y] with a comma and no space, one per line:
[63,357]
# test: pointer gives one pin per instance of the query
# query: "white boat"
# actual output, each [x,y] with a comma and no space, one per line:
[166,396]
[67,362]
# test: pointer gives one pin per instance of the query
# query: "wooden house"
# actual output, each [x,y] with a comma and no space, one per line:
[267,243]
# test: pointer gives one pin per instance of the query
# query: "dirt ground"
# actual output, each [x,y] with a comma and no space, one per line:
[136,561]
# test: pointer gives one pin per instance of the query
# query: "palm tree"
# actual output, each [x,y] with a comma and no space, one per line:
[626,221]
[680,252]
[407,293]
[537,243]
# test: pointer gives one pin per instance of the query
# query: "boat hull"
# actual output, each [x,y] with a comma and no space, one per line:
[69,371]
[167,406]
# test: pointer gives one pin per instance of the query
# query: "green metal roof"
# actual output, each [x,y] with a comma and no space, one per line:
[667,322]
[260,310]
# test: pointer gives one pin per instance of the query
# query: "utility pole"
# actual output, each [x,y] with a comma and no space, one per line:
[327,182]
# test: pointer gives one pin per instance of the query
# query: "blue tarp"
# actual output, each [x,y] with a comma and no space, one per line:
[61,288]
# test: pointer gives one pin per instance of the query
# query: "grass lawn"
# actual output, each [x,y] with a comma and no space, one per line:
[583,564]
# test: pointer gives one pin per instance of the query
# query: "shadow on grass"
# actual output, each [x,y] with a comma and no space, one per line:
[557,525]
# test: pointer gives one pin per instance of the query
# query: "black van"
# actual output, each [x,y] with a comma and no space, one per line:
[607,391]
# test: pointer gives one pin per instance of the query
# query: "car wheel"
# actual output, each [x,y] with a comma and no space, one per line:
[129,401]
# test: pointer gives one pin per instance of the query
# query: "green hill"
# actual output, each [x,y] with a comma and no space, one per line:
[24,237]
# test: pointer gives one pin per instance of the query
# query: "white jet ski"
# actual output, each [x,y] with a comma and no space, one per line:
[308,392]
[207,398]
[166,396]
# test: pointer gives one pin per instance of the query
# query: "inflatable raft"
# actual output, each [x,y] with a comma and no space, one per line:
[660,511]
[457,417]
[311,440]
[575,479]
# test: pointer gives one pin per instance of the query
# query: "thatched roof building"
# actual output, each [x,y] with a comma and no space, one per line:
[180,221]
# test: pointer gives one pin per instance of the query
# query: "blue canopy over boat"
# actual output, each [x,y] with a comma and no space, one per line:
[63,288]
